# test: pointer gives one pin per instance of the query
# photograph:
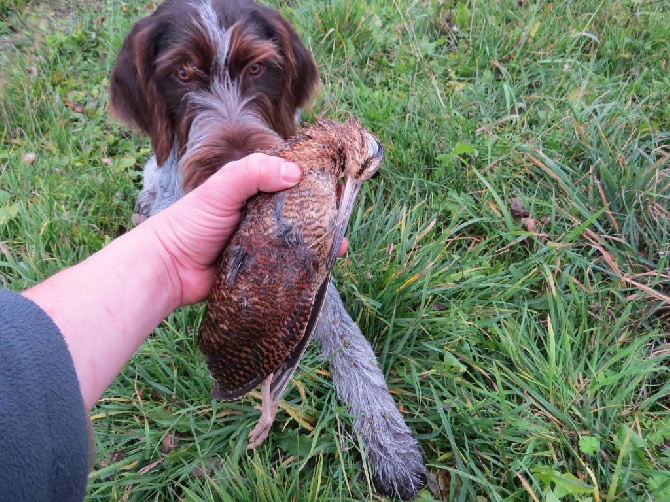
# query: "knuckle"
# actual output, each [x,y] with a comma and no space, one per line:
[256,165]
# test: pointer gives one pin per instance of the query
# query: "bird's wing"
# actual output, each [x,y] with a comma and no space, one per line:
[254,321]
[282,375]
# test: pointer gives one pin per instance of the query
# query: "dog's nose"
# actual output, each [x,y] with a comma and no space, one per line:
[245,142]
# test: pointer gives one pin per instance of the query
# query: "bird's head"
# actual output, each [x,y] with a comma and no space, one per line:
[359,156]
[362,152]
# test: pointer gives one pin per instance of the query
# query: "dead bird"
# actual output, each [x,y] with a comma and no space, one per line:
[273,275]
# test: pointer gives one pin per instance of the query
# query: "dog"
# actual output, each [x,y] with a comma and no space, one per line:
[211,81]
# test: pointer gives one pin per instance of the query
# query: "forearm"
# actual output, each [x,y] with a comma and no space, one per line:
[107,305]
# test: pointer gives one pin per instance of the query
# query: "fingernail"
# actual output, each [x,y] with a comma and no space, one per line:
[290,172]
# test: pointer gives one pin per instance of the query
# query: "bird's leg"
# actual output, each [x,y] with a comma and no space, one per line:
[268,409]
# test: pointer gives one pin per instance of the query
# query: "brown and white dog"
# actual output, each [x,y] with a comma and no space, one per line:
[211,81]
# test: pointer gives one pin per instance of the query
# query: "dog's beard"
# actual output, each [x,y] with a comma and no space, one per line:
[224,126]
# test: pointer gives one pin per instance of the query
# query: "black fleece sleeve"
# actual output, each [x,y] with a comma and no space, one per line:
[43,424]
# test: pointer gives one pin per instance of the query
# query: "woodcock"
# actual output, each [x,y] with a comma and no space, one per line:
[273,274]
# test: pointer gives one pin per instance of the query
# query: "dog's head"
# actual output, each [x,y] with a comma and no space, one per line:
[212,80]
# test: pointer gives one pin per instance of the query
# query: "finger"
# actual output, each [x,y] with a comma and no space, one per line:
[239,180]
[343,247]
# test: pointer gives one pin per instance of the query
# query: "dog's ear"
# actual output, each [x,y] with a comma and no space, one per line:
[300,73]
[134,95]
[305,76]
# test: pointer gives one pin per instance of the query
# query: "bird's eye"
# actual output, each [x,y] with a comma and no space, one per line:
[255,68]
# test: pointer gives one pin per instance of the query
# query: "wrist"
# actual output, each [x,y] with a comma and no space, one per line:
[163,270]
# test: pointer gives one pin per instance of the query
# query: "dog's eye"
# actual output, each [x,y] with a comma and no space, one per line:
[255,68]
[184,74]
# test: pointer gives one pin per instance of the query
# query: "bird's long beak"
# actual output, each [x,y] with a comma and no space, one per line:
[347,199]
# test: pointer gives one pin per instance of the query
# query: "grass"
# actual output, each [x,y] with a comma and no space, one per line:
[526,346]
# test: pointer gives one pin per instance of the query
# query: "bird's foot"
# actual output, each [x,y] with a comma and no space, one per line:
[268,409]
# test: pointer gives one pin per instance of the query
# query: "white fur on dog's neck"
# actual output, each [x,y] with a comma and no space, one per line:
[162,186]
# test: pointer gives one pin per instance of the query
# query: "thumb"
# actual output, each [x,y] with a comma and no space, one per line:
[231,186]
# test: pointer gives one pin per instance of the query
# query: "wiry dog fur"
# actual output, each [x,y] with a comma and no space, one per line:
[211,81]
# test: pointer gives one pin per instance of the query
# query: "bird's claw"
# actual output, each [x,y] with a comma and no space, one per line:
[259,434]
[268,409]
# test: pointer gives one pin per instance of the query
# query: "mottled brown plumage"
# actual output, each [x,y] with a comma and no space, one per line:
[274,272]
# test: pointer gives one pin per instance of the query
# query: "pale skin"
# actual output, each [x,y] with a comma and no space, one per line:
[107,305]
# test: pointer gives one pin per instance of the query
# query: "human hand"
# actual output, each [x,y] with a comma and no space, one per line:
[195,229]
